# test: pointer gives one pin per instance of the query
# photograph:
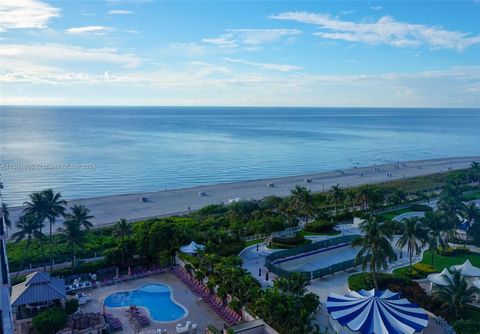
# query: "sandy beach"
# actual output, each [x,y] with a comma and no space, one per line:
[108,210]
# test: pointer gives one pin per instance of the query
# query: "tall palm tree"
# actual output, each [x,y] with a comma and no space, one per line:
[302,202]
[28,227]
[376,248]
[47,205]
[122,230]
[337,195]
[413,235]
[36,206]
[451,204]
[456,294]
[475,171]
[6,215]
[434,222]
[72,234]
[471,214]
[351,196]
[80,214]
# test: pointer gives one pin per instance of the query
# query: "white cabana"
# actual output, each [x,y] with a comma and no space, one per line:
[440,278]
[192,248]
[467,269]
[379,312]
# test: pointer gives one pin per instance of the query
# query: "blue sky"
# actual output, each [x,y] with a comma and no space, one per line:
[282,53]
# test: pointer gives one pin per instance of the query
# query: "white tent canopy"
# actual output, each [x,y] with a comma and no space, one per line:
[192,248]
[476,283]
[379,312]
[467,269]
[440,278]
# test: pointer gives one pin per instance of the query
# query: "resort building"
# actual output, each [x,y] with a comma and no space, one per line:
[38,293]
[6,326]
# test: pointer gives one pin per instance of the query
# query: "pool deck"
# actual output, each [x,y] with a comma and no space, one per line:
[198,312]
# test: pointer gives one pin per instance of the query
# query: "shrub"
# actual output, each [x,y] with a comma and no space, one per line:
[420,270]
[448,251]
[49,321]
[83,268]
[320,226]
[420,207]
[289,242]
[470,326]
[71,306]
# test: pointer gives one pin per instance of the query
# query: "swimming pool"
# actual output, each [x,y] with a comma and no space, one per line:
[156,298]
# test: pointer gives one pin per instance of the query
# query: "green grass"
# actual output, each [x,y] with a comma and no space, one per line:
[472,196]
[441,262]
[253,242]
[392,214]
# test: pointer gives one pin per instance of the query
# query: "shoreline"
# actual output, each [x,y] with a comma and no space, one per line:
[107,210]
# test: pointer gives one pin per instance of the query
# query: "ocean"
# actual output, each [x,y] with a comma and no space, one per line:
[96,151]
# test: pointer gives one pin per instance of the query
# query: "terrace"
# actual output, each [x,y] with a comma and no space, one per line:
[199,312]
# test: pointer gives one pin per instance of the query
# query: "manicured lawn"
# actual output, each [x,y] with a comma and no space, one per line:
[472,196]
[253,242]
[392,214]
[441,262]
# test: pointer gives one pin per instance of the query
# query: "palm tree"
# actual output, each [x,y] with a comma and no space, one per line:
[475,171]
[434,221]
[46,205]
[338,195]
[72,234]
[456,294]
[80,214]
[376,248]
[122,230]
[28,226]
[413,235]
[302,201]
[6,215]
[471,214]
[351,196]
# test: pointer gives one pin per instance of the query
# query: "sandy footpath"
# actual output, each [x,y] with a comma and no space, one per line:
[108,210]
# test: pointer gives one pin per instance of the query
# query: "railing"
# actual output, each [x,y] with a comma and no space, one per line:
[310,247]
[271,266]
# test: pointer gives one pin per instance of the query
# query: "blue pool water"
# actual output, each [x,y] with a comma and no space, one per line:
[154,297]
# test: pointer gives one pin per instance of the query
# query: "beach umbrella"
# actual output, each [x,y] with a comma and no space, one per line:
[379,312]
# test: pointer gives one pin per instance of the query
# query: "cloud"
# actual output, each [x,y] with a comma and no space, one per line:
[386,30]
[251,38]
[97,30]
[204,83]
[266,66]
[119,12]
[376,8]
[45,54]
[26,14]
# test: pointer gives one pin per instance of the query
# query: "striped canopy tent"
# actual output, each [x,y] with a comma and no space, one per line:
[467,269]
[379,312]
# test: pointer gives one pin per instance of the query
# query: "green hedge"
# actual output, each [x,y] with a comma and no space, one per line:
[420,207]
[49,321]
[320,226]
